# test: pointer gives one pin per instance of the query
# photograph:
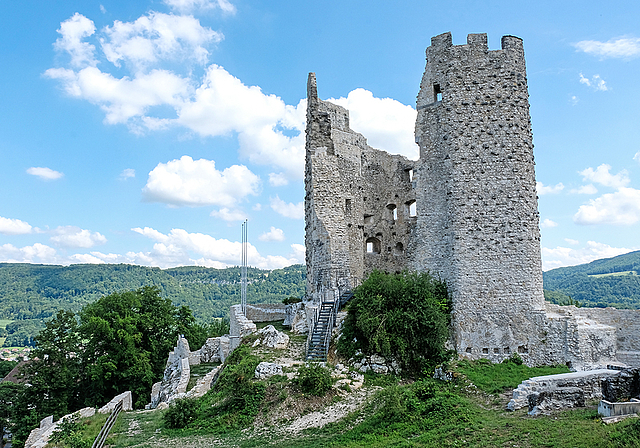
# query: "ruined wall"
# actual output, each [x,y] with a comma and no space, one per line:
[355,200]
[477,223]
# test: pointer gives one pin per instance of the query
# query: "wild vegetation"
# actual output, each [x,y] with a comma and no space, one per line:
[399,316]
[31,294]
[119,342]
[601,283]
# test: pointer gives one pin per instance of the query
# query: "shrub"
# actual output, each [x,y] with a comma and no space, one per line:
[291,300]
[69,434]
[180,413]
[314,379]
[403,316]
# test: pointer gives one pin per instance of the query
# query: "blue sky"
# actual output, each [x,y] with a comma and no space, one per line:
[145,132]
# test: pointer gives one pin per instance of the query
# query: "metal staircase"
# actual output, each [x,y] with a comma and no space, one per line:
[320,337]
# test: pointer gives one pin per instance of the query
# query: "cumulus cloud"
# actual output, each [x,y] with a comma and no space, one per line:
[565,256]
[585,189]
[269,131]
[180,247]
[596,82]
[602,176]
[621,47]
[547,189]
[274,234]
[278,179]
[620,208]
[72,236]
[229,215]
[44,173]
[125,100]
[288,210]
[188,182]
[637,157]
[188,6]
[386,123]
[155,37]
[73,31]
[38,253]
[127,173]
[9,226]
[547,224]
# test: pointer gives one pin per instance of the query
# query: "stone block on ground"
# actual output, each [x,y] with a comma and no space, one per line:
[272,338]
[127,403]
[266,370]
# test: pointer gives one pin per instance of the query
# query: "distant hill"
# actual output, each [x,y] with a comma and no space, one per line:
[30,293]
[607,282]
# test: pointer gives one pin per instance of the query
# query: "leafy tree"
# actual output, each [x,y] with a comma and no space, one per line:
[8,394]
[56,367]
[6,367]
[403,316]
[128,337]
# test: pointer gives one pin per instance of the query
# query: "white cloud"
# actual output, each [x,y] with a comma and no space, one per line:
[229,215]
[619,208]
[547,224]
[602,176]
[73,32]
[546,189]
[621,47]
[298,253]
[278,179]
[103,10]
[188,6]
[272,235]
[637,157]
[257,207]
[9,226]
[180,248]
[574,100]
[38,253]
[72,236]
[44,173]
[269,131]
[596,82]
[566,256]
[193,183]
[572,242]
[155,37]
[386,123]
[127,173]
[288,210]
[585,189]
[124,99]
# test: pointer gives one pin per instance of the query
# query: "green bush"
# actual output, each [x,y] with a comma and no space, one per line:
[69,434]
[314,379]
[291,300]
[180,413]
[403,316]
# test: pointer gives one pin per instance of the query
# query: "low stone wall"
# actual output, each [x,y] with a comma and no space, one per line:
[239,326]
[608,409]
[266,312]
[590,382]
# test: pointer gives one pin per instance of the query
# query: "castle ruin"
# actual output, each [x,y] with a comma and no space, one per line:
[466,211]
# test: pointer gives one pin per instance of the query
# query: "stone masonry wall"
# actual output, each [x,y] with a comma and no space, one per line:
[477,224]
[476,221]
[357,202]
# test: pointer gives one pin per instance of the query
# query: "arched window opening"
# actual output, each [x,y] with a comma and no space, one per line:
[373,245]
[399,249]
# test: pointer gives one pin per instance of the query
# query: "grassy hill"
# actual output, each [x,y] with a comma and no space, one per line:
[606,282]
[31,293]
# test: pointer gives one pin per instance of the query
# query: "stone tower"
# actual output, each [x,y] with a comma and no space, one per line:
[467,211]
[476,192]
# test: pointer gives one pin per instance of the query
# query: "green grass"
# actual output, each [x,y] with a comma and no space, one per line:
[200,370]
[496,378]
[614,274]
[5,322]
[277,324]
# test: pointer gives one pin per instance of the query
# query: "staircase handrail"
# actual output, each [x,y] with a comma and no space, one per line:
[108,425]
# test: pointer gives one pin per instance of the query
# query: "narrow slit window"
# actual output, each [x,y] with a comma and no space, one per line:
[411,209]
[393,212]
[437,93]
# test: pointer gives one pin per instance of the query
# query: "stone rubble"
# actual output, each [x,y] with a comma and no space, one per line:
[266,370]
[272,338]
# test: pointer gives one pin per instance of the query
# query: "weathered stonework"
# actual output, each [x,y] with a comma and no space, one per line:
[466,211]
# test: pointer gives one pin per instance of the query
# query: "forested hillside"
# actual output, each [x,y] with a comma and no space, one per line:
[31,293]
[607,282]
